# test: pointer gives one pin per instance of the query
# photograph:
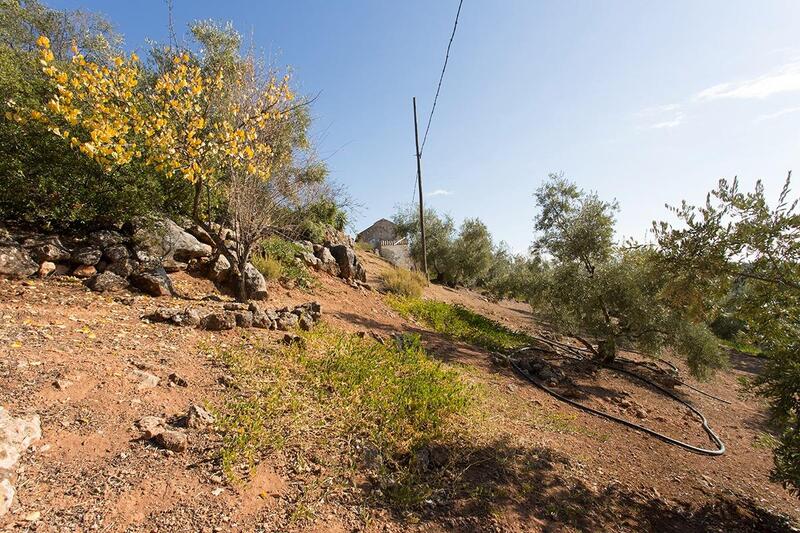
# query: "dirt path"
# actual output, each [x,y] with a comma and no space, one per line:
[76,358]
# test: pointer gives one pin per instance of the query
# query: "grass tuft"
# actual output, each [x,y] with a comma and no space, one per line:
[460,323]
[276,258]
[355,398]
[404,282]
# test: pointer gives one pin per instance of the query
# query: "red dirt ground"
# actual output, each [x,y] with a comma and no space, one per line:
[554,469]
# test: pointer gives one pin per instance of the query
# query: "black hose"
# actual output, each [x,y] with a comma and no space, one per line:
[717,442]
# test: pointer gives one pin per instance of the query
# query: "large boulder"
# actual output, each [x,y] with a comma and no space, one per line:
[166,242]
[153,281]
[349,266]
[255,283]
[219,269]
[16,263]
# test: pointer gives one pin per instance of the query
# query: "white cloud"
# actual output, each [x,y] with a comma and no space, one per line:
[438,192]
[776,114]
[782,80]
[661,116]
[677,120]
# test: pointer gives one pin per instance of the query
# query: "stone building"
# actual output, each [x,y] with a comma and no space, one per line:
[382,236]
[381,231]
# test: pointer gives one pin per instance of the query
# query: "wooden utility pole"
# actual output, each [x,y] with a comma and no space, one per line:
[421,207]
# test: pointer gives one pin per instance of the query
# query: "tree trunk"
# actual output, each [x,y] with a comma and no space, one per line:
[607,350]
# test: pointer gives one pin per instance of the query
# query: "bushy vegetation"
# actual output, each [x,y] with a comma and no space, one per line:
[460,323]
[276,258]
[462,257]
[740,246]
[403,282]
[355,398]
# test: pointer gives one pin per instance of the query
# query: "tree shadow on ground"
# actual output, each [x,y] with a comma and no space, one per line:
[500,485]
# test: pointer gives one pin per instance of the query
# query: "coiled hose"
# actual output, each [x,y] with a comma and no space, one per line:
[720,446]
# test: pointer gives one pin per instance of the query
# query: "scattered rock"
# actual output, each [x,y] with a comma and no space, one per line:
[105,238]
[154,282]
[88,255]
[50,251]
[123,268]
[262,320]
[173,315]
[62,384]
[151,426]
[244,319]
[16,435]
[349,266]
[16,263]
[198,417]
[236,306]
[107,282]
[218,321]
[46,268]
[305,322]
[146,379]
[255,282]
[290,338]
[116,253]
[287,321]
[84,271]
[172,440]
[177,380]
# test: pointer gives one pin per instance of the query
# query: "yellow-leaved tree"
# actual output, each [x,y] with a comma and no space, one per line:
[191,121]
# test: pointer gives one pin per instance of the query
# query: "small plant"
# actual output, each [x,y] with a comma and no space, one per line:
[276,259]
[365,246]
[404,282]
[270,267]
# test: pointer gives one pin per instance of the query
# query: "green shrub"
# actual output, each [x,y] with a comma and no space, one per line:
[365,246]
[271,268]
[277,251]
[404,282]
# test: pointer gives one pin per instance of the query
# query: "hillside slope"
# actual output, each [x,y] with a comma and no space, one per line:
[83,362]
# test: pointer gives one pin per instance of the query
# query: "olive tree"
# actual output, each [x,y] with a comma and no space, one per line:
[737,239]
[616,294]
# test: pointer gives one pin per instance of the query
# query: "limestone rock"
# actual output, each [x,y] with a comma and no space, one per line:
[219,321]
[16,435]
[107,282]
[151,426]
[16,263]
[46,268]
[84,271]
[154,282]
[256,284]
[198,417]
[175,441]
[88,255]
[164,239]
[146,380]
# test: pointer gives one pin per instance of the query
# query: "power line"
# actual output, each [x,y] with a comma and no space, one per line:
[441,77]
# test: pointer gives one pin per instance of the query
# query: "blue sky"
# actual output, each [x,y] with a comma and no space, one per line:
[645,102]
